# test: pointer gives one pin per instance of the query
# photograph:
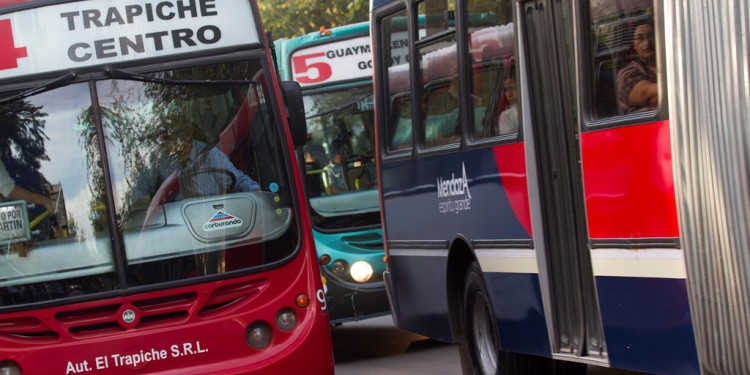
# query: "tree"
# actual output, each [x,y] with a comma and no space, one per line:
[22,140]
[292,18]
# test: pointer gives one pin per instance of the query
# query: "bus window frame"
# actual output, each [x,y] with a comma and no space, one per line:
[471,142]
[421,149]
[274,104]
[281,129]
[381,87]
[95,74]
[587,81]
[353,84]
[466,121]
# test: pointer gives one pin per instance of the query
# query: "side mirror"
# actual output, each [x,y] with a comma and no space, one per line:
[295,111]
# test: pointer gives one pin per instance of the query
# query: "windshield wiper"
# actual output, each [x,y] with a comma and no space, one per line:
[40,89]
[336,109]
[122,74]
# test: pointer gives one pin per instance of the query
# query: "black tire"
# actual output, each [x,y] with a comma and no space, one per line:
[479,324]
[481,335]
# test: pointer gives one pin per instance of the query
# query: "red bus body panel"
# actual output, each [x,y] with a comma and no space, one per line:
[189,330]
[629,182]
[511,165]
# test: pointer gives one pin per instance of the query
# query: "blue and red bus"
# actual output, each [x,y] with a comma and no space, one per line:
[334,69]
[564,183]
[152,218]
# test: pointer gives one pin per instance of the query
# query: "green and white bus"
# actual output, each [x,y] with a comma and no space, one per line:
[334,69]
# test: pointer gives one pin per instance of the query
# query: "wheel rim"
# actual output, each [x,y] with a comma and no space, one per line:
[483,335]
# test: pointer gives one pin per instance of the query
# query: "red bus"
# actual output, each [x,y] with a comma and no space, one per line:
[152,218]
[564,184]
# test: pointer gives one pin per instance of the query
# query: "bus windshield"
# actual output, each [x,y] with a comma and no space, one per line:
[155,177]
[340,159]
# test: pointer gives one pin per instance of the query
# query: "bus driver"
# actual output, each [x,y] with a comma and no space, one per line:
[202,169]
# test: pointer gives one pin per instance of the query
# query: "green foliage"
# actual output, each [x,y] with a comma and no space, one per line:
[292,18]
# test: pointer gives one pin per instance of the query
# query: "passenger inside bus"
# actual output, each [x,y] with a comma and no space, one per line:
[335,170]
[508,122]
[197,164]
[315,156]
[637,89]
[440,109]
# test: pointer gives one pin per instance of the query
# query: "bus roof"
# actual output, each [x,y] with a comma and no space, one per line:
[338,32]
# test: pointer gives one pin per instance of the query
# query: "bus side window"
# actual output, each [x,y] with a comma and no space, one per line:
[440,112]
[399,124]
[399,115]
[438,68]
[492,54]
[623,66]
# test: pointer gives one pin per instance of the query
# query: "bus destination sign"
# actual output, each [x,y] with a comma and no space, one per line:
[73,35]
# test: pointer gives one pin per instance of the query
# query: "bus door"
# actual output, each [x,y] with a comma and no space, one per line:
[575,321]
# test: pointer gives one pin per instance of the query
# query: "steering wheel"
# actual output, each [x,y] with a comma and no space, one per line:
[190,190]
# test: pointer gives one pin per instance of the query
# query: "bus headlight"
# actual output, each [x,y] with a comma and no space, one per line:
[286,319]
[338,267]
[361,271]
[9,368]
[258,335]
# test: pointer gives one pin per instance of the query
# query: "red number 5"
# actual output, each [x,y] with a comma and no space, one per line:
[302,69]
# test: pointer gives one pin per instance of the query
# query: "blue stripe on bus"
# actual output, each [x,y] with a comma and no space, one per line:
[413,208]
[648,325]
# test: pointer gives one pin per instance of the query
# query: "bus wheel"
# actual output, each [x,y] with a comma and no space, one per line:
[479,324]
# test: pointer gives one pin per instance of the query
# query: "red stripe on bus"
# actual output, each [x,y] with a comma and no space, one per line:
[511,164]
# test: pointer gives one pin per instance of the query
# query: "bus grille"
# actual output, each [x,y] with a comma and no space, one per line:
[369,241]
[27,329]
[104,319]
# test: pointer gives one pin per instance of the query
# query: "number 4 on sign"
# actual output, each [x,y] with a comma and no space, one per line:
[304,68]
[9,53]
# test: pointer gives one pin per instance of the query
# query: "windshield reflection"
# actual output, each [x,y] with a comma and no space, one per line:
[194,183]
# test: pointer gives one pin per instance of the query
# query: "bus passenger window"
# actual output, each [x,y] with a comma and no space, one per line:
[398,129]
[400,124]
[492,48]
[440,92]
[624,58]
